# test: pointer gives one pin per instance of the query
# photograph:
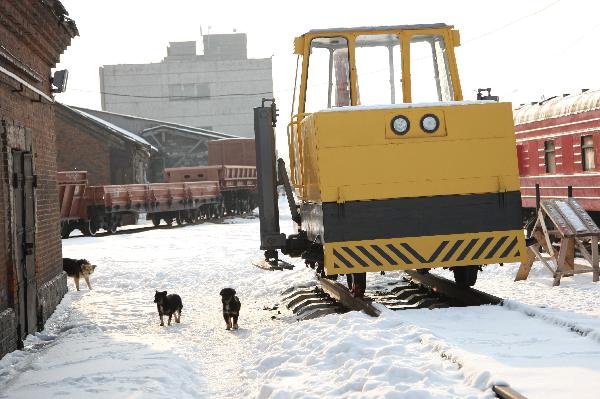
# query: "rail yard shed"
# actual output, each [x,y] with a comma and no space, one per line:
[178,145]
[109,153]
[33,35]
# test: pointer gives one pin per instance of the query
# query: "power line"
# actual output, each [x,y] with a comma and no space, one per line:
[183,97]
[512,22]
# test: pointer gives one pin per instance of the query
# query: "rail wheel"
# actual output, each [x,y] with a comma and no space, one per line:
[65,230]
[465,276]
[155,221]
[179,220]
[89,228]
[169,221]
[112,228]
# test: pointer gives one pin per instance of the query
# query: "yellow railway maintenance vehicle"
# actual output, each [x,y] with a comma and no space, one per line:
[391,169]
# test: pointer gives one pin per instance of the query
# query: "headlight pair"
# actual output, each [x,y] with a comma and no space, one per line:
[401,125]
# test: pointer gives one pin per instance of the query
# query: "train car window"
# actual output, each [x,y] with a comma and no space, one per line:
[429,72]
[549,156]
[379,69]
[328,78]
[587,153]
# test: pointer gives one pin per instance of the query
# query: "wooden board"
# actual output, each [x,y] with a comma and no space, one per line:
[273,265]
[341,294]
[570,218]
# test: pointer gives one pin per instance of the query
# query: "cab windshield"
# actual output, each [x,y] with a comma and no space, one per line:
[379,71]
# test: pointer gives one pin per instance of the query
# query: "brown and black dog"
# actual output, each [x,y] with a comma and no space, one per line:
[78,268]
[231,307]
[168,305]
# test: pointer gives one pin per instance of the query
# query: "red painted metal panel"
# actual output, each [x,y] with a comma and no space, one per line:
[521,158]
[232,152]
[229,176]
[238,176]
[198,191]
[71,191]
[586,189]
[193,173]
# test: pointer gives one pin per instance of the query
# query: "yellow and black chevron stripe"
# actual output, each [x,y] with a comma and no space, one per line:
[425,251]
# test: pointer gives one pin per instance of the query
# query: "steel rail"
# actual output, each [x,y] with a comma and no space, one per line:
[446,288]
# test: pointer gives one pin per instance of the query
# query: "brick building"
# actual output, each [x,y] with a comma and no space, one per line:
[33,34]
[109,153]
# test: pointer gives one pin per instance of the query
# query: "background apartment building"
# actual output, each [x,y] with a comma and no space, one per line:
[215,91]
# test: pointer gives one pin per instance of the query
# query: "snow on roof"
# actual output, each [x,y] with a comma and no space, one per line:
[196,131]
[391,27]
[555,107]
[126,134]
[192,129]
[406,105]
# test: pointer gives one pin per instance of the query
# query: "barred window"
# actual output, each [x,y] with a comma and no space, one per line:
[587,153]
[549,156]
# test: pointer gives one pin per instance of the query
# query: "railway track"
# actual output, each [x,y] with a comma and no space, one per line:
[146,227]
[415,291]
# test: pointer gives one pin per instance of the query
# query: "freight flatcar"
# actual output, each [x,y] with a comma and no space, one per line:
[91,208]
[226,187]
[557,147]
[237,184]
[392,169]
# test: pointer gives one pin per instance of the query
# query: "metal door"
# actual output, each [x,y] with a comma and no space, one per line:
[24,227]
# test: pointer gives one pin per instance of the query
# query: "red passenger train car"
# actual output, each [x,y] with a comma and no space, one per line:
[558,145]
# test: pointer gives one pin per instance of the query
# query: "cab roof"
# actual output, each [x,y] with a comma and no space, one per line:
[378,28]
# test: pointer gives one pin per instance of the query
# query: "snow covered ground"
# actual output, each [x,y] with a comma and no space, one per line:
[107,343]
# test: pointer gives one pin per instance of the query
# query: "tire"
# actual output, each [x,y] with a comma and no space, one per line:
[112,229]
[465,276]
[66,230]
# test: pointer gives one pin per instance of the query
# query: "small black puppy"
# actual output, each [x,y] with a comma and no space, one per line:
[231,307]
[168,305]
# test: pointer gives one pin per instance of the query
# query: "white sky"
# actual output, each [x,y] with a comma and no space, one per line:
[521,49]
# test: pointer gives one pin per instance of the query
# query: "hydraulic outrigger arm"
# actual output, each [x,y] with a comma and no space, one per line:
[270,175]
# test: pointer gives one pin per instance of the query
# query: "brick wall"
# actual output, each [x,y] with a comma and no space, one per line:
[32,39]
[79,149]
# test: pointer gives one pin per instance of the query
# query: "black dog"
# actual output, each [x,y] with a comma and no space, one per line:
[78,268]
[231,307]
[168,305]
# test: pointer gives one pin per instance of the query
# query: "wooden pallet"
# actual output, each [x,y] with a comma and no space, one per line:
[564,220]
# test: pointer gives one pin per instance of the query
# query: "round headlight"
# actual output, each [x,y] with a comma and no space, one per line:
[400,124]
[430,123]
